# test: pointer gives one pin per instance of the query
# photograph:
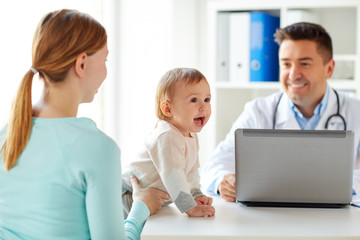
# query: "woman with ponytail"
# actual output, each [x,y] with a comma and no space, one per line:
[60,176]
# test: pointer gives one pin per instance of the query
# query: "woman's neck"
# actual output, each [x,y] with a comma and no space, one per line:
[53,110]
[58,101]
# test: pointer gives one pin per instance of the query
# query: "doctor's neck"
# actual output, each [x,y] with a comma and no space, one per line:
[307,108]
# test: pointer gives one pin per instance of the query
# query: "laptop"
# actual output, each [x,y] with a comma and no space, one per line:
[294,168]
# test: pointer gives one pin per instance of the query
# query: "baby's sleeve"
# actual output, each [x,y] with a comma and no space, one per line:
[194,179]
[168,154]
[194,176]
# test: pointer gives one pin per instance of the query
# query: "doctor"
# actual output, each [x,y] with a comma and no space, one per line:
[307,102]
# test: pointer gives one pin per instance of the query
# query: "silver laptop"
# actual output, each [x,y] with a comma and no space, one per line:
[295,168]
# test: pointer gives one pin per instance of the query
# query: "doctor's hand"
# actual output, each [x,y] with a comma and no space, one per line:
[152,197]
[227,187]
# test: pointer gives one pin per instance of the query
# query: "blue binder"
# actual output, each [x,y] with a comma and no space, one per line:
[264,62]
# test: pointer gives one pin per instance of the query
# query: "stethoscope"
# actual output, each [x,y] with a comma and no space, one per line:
[337,114]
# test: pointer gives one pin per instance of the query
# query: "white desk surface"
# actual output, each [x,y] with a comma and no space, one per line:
[237,221]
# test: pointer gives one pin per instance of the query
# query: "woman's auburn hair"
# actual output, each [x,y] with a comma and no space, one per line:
[59,38]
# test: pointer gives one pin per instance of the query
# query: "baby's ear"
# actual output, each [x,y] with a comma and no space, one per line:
[165,109]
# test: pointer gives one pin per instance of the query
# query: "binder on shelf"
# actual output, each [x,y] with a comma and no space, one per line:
[239,45]
[222,50]
[264,63]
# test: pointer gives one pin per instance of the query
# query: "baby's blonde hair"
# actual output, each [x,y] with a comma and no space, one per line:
[168,84]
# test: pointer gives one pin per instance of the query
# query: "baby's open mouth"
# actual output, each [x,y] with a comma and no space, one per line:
[199,121]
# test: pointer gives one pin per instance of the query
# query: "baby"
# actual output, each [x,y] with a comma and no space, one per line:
[169,159]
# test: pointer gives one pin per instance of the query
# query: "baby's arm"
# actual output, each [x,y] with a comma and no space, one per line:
[168,155]
[194,179]
[204,208]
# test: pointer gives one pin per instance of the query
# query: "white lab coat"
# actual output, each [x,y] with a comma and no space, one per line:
[259,114]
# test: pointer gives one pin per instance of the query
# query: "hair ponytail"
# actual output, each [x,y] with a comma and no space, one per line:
[19,125]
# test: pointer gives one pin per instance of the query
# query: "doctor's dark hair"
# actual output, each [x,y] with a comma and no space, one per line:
[170,81]
[59,38]
[308,31]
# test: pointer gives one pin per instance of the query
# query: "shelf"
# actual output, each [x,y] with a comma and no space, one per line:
[341,84]
[248,85]
[345,57]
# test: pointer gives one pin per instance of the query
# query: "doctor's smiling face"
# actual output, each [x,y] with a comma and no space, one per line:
[303,73]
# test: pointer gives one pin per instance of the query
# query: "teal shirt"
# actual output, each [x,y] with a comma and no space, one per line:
[66,185]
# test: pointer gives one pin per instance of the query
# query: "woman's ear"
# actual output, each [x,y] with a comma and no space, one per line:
[80,64]
[165,109]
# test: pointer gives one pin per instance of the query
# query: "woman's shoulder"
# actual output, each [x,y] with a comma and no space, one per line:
[75,133]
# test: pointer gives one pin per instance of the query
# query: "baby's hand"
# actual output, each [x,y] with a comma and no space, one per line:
[201,211]
[203,200]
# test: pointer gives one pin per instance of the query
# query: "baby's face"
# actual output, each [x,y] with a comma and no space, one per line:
[190,107]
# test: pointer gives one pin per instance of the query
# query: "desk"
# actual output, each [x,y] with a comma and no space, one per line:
[236,221]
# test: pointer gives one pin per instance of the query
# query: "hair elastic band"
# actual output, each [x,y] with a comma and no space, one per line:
[33,70]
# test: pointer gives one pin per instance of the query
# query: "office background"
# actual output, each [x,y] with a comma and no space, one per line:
[147,38]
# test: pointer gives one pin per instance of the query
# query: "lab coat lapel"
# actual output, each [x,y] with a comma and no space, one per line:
[285,118]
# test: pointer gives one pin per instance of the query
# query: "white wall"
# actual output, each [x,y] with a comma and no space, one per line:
[146,38]
[18,21]
[154,36]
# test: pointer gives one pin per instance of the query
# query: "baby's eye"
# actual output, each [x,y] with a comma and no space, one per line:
[193,100]
[207,100]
